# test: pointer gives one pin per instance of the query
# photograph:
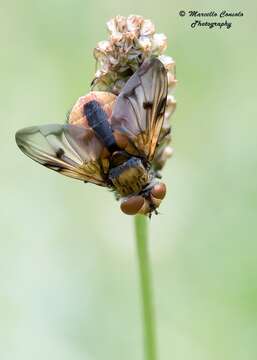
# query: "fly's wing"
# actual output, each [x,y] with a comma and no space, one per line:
[138,112]
[71,150]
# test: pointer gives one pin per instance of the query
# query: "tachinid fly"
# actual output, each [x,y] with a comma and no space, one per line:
[110,141]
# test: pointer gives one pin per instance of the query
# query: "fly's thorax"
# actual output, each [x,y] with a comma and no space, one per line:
[128,175]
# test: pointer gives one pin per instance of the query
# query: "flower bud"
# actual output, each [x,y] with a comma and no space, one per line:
[170,106]
[167,61]
[145,43]
[147,28]
[159,43]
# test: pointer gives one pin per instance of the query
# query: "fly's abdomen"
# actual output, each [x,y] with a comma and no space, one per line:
[130,177]
[98,121]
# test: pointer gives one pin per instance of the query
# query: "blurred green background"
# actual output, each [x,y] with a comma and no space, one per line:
[68,270]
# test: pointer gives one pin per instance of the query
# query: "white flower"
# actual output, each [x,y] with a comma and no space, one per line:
[167,61]
[147,28]
[159,43]
[145,43]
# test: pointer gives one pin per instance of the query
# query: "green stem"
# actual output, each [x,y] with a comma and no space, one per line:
[145,283]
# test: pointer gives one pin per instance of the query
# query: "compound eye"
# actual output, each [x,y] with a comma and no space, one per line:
[159,191]
[132,205]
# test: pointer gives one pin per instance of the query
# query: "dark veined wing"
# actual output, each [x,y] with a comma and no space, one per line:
[138,112]
[71,150]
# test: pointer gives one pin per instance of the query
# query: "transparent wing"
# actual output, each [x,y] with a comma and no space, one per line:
[71,150]
[139,110]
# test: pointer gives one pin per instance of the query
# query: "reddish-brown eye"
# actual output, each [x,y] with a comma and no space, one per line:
[132,205]
[159,191]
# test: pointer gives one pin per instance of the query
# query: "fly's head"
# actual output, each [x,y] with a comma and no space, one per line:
[146,202]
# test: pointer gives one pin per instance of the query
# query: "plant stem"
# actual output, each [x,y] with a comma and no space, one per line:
[145,283]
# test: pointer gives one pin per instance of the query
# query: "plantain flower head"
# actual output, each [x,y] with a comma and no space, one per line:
[131,40]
